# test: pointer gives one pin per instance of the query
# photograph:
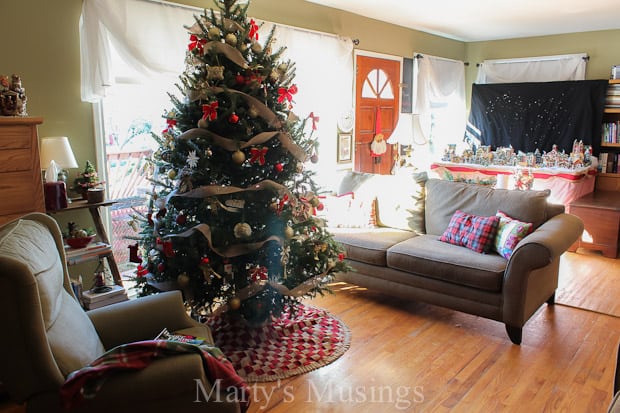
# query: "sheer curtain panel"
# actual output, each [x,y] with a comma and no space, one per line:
[533,69]
[148,36]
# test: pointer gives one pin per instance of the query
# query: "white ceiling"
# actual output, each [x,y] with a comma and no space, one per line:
[479,20]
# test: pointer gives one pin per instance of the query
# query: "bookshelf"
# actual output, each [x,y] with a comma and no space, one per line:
[102,249]
[609,157]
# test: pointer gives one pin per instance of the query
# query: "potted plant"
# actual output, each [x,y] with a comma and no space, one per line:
[86,180]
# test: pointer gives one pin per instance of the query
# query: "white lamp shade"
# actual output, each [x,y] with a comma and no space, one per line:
[57,149]
[403,133]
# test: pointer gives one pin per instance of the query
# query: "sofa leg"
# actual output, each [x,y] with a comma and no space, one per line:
[515,334]
[551,300]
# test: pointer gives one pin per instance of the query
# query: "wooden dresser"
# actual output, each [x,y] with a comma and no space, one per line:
[21,186]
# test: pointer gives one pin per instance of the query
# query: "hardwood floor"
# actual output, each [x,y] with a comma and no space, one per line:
[413,357]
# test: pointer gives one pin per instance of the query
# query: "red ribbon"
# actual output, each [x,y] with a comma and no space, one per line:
[258,155]
[281,204]
[171,124]
[286,94]
[141,271]
[253,30]
[210,110]
[196,43]
[315,120]
[166,247]
[258,273]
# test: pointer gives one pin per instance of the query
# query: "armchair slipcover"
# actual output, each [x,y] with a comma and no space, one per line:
[47,335]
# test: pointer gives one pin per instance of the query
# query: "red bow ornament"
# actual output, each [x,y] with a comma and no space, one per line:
[209,111]
[141,271]
[315,120]
[196,43]
[258,155]
[286,94]
[258,273]
[171,124]
[253,30]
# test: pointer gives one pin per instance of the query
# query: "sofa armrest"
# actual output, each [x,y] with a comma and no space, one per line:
[140,319]
[531,276]
[556,235]
[177,383]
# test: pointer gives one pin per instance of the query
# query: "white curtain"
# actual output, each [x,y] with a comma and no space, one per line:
[149,36]
[533,69]
[324,75]
[439,107]
[151,40]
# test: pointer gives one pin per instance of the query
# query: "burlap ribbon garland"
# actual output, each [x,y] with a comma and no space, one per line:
[206,191]
[232,251]
[242,249]
[261,109]
[232,145]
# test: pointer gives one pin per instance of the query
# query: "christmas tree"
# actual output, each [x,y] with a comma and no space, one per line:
[230,218]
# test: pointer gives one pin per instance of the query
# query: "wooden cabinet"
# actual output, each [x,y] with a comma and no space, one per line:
[21,186]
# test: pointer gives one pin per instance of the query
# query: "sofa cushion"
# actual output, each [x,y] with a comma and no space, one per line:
[443,198]
[399,198]
[427,256]
[346,211]
[71,336]
[370,246]
[471,231]
[509,232]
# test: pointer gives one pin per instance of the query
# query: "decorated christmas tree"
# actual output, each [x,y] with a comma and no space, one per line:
[231,216]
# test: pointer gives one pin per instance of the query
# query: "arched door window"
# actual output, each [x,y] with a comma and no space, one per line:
[377,85]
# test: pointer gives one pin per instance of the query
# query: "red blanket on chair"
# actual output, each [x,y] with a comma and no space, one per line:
[85,382]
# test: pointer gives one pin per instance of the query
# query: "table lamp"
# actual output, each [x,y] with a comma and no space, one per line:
[403,134]
[56,150]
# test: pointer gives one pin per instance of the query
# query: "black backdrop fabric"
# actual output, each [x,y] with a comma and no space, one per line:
[534,115]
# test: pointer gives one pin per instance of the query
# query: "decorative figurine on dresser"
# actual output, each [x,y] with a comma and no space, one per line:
[12,96]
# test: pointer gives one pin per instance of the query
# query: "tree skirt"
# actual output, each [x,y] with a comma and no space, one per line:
[292,344]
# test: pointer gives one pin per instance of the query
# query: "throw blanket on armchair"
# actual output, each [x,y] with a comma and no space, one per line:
[85,382]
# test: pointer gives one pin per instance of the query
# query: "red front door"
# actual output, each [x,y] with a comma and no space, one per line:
[377,98]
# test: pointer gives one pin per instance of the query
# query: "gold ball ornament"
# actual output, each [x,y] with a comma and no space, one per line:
[238,157]
[242,230]
[183,280]
[315,201]
[289,232]
[231,39]
[253,112]
[256,47]
[234,303]
[172,173]
[214,33]
[203,123]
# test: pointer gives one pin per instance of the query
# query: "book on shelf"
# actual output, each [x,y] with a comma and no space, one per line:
[183,338]
[79,255]
[93,299]
[609,162]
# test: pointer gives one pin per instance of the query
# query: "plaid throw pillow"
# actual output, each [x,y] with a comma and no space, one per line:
[471,231]
[509,232]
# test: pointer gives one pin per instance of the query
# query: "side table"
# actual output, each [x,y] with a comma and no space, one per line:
[95,213]
[600,213]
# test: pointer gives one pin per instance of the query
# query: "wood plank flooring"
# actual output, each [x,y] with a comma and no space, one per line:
[412,357]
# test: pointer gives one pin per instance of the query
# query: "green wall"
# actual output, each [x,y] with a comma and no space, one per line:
[41,44]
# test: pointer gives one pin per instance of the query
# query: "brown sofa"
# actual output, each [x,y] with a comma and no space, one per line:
[404,257]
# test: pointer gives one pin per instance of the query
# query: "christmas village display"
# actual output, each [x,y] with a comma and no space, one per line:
[579,157]
[230,219]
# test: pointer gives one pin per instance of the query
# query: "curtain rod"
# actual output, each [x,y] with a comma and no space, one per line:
[419,56]
[535,59]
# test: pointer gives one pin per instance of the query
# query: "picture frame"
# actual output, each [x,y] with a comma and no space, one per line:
[345,147]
